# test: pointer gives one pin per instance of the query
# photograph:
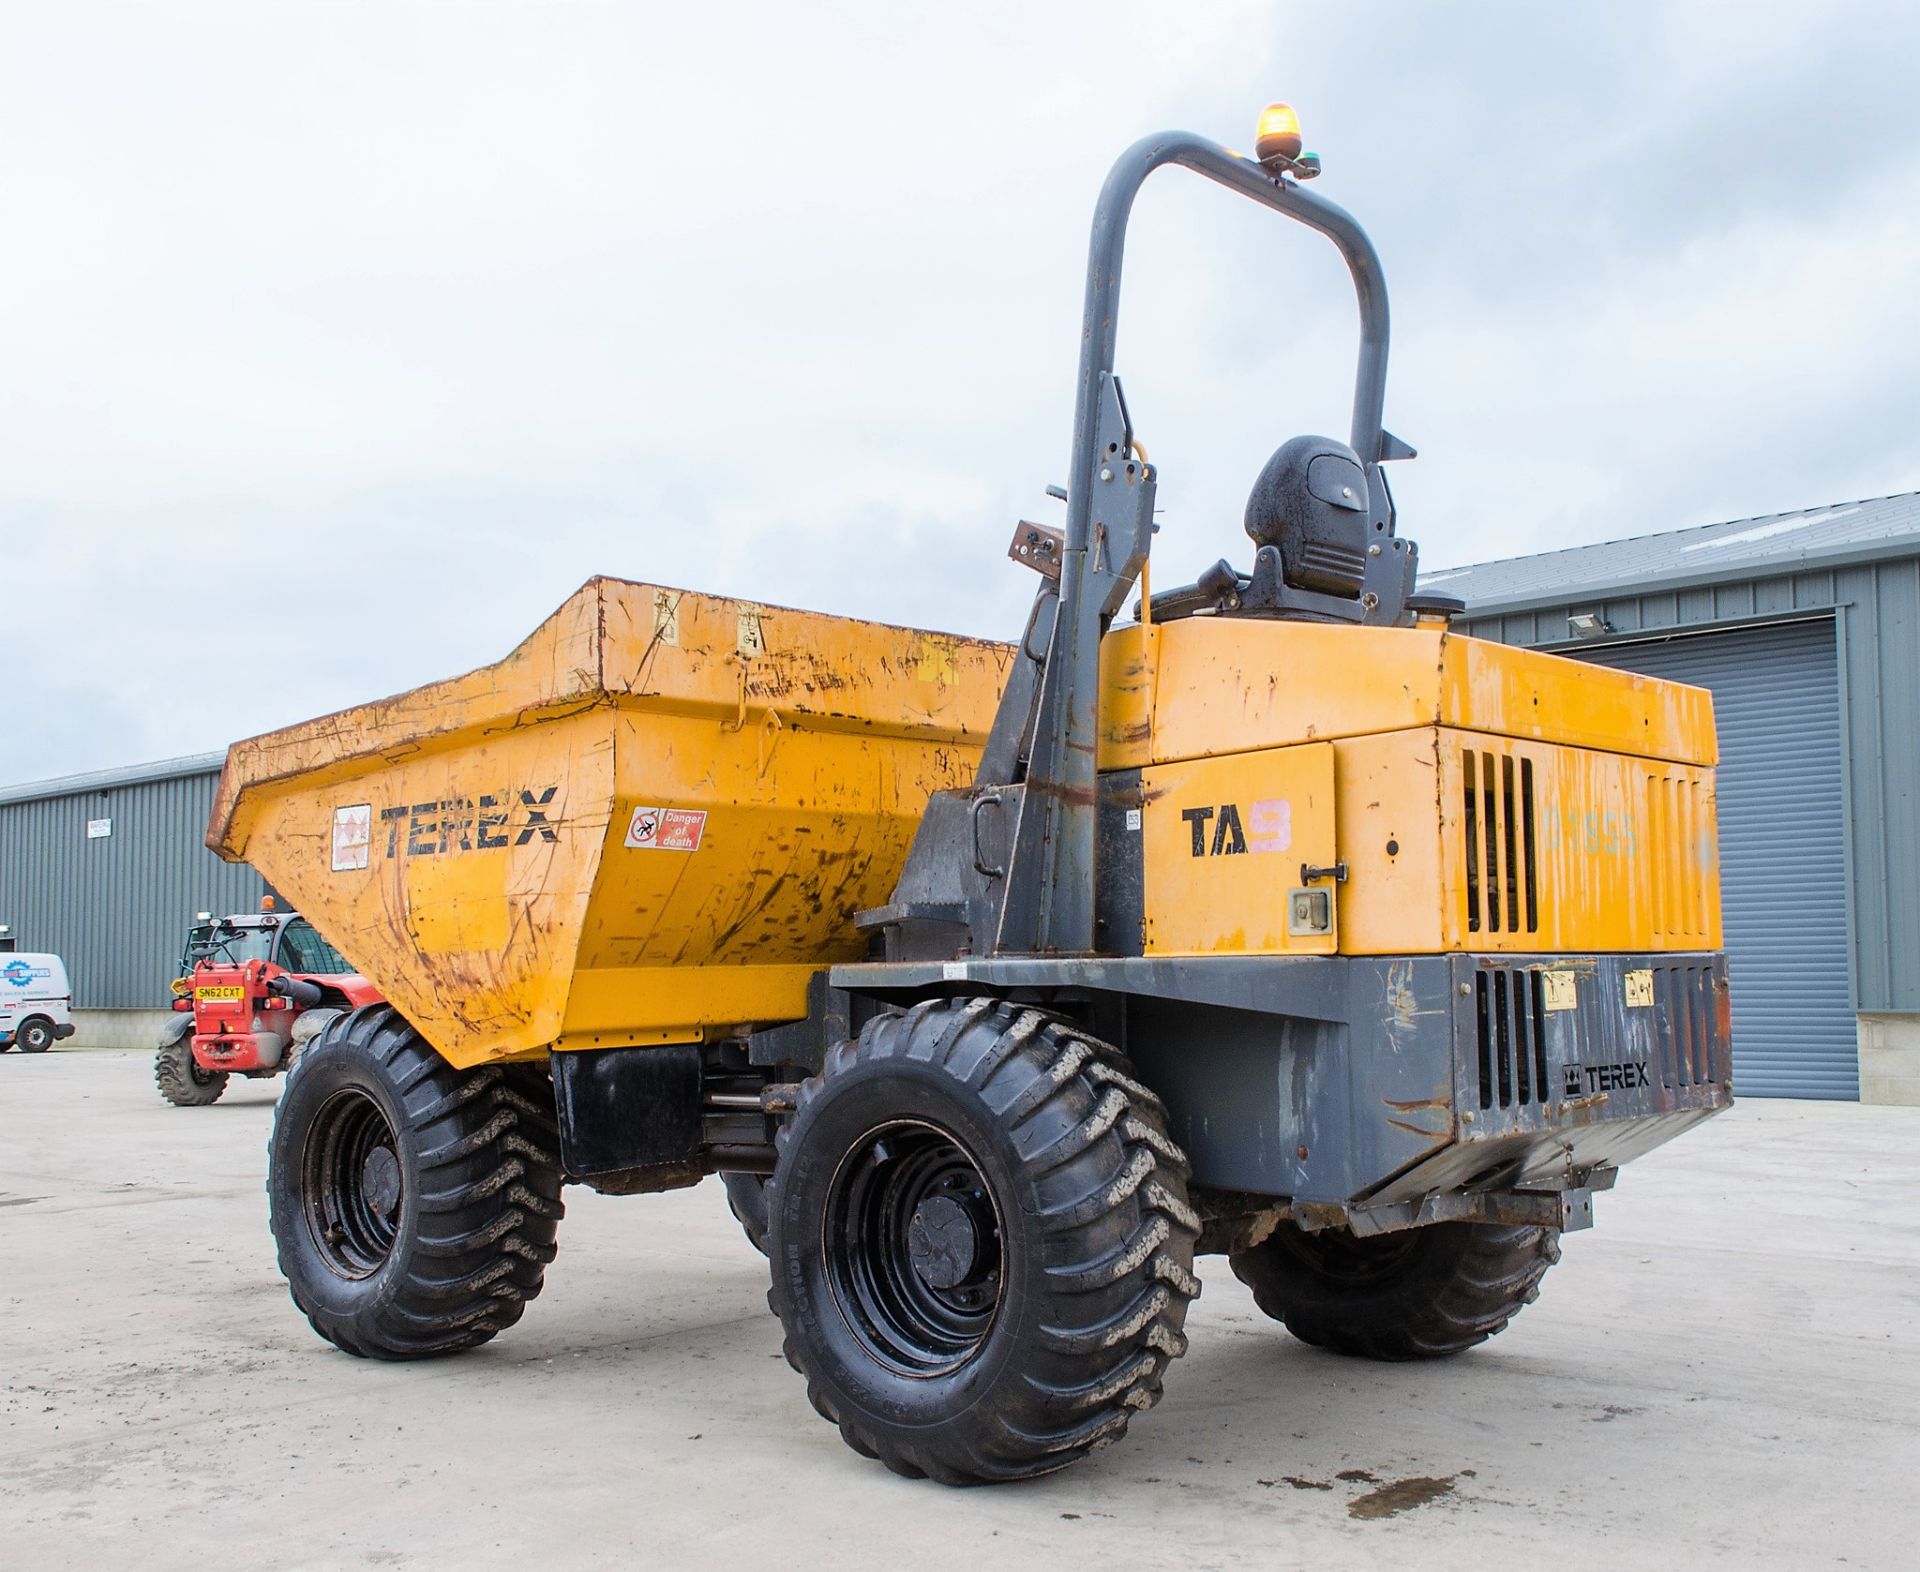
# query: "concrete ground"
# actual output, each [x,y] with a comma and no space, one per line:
[1725,1373]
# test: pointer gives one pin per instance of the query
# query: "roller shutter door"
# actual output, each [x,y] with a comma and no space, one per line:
[1783,847]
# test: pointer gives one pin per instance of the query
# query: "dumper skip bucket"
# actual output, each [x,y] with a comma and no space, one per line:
[652,822]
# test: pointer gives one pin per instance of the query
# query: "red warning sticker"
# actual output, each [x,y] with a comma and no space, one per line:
[666,829]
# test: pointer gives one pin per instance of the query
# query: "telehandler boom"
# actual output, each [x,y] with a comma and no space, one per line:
[1279,921]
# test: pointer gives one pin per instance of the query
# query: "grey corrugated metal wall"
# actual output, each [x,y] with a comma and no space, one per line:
[1877,606]
[1783,846]
[116,908]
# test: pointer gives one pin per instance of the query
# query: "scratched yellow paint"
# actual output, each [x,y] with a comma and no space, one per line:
[1599,813]
[1206,685]
[1223,841]
[500,904]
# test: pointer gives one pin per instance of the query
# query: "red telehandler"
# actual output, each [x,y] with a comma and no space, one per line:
[253,989]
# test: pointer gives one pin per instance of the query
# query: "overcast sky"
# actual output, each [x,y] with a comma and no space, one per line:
[339,343]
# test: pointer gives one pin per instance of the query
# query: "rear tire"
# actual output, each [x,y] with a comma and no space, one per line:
[747,1200]
[414,1205]
[982,1244]
[182,1082]
[34,1035]
[1423,1293]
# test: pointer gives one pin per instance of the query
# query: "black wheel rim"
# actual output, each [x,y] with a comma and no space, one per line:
[914,1251]
[354,1184]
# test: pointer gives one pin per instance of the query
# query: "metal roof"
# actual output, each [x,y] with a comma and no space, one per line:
[106,780]
[1774,543]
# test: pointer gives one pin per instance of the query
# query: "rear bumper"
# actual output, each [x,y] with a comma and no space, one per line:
[238,1051]
[1564,1066]
[1375,1082]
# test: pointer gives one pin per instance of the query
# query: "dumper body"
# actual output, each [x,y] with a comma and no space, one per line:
[651,823]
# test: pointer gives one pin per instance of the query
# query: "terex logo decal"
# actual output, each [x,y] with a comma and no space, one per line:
[457,824]
[1581,1080]
[1268,828]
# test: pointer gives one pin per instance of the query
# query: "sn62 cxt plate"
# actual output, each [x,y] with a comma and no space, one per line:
[222,992]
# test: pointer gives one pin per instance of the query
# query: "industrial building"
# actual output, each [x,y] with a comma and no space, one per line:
[106,870]
[1806,627]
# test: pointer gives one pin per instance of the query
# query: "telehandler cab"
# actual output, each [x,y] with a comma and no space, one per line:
[1280,922]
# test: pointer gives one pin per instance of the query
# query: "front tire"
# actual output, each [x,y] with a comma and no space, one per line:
[182,1082]
[414,1205]
[981,1242]
[1423,1293]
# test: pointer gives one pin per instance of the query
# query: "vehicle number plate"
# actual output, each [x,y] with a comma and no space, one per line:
[219,993]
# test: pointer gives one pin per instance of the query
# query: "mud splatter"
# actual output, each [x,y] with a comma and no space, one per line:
[1402,1495]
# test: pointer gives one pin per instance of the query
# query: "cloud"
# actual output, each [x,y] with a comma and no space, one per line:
[338,344]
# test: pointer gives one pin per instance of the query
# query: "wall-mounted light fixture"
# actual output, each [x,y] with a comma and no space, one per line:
[1588,625]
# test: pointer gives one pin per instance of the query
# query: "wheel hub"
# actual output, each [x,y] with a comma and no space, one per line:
[914,1249]
[380,1178]
[941,1242]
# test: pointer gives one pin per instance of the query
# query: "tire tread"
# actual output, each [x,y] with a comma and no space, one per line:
[486,1188]
[1115,1231]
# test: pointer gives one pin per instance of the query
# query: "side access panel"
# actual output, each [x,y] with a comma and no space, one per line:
[1203,857]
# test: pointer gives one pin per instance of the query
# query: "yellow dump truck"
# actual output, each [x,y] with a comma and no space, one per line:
[1275,920]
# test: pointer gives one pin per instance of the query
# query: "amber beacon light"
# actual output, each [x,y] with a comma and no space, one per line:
[1277,136]
[1277,144]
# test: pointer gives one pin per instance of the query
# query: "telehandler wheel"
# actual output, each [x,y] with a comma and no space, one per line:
[182,1082]
[981,1242]
[414,1205]
[1420,1294]
[747,1200]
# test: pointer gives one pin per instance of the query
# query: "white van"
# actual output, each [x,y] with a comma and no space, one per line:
[35,1001]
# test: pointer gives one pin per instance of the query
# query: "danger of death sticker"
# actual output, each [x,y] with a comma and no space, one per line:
[666,829]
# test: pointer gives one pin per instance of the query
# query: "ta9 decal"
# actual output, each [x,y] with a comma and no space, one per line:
[1220,832]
